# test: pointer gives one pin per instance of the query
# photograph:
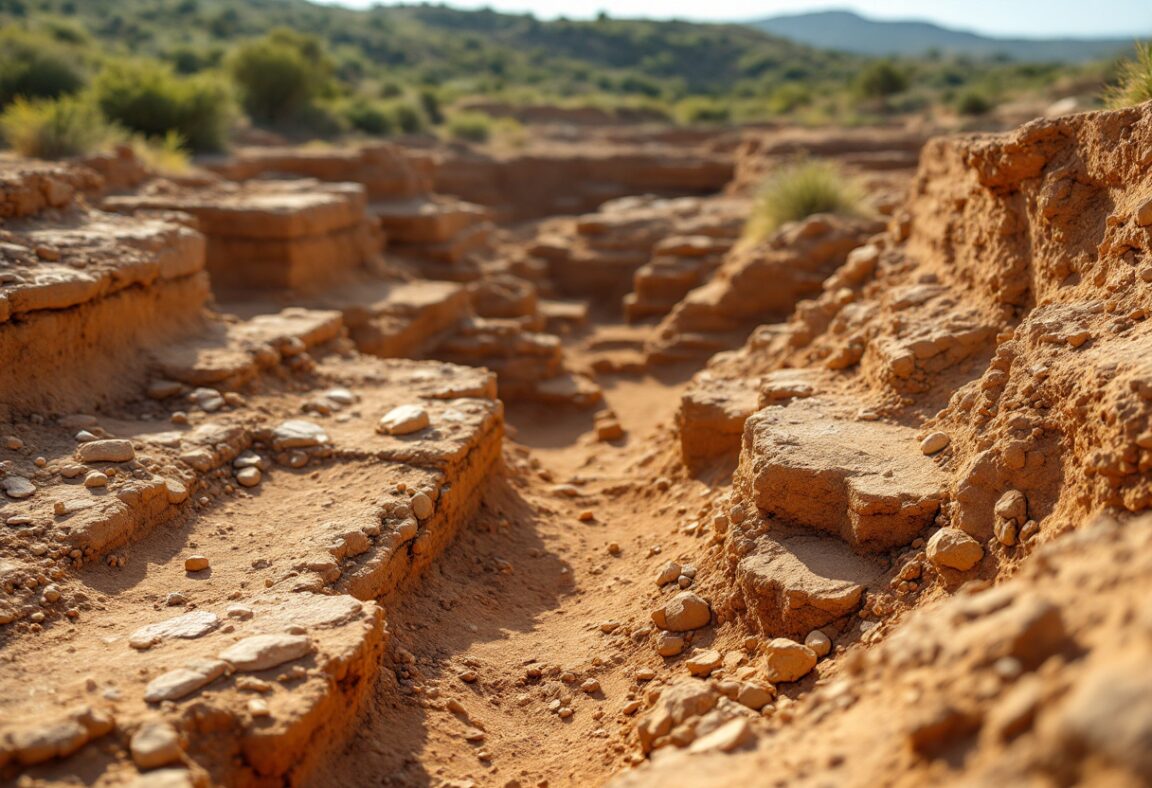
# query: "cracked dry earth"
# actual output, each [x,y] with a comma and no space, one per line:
[371,466]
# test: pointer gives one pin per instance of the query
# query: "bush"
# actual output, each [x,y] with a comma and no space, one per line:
[32,68]
[1135,80]
[974,103]
[279,76]
[409,118]
[470,127]
[149,99]
[881,80]
[55,128]
[168,155]
[370,117]
[801,190]
[430,103]
[698,109]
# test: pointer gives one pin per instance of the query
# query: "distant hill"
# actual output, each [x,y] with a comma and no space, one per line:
[849,32]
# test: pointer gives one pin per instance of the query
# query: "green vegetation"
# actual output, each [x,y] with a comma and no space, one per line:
[974,103]
[800,190]
[470,127]
[55,128]
[147,98]
[200,68]
[1134,82]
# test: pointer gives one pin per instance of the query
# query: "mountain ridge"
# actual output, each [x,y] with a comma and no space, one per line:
[848,31]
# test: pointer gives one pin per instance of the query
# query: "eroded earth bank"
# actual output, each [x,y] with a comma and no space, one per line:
[396,466]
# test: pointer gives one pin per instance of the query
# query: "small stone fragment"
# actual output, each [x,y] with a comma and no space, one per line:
[668,573]
[95,479]
[261,652]
[112,450]
[934,443]
[590,686]
[422,506]
[403,420]
[670,645]
[702,663]
[196,563]
[155,744]
[820,643]
[728,737]
[684,612]
[786,660]
[18,487]
[954,549]
[249,477]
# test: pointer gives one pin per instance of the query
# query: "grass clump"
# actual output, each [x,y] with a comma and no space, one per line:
[56,128]
[148,98]
[1134,85]
[470,127]
[33,68]
[800,190]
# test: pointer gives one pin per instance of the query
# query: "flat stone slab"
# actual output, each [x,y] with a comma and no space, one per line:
[793,585]
[189,625]
[868,482]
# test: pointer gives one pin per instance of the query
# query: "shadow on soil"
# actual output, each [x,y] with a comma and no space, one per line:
[462,599]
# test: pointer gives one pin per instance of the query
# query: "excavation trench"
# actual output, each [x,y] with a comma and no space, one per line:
[510,620]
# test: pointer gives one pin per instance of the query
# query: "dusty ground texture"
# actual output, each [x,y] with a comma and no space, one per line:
[312,474]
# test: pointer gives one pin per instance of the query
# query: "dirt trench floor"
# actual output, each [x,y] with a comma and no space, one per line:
[515,665]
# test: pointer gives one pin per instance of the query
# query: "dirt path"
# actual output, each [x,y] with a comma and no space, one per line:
[507,632]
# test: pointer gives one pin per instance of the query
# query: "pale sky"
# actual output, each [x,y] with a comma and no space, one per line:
[1017,18]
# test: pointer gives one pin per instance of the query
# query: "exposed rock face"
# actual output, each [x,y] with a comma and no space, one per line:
[270,234]
[757,283]
[863,481]
[529,185]
[88,284]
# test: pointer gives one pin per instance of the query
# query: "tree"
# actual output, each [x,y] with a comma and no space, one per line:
[279,75]
[881,80]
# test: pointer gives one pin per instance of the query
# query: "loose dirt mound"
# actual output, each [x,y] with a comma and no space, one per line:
[890,533]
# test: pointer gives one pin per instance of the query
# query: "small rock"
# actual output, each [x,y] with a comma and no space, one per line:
[196,563]
[1013,505]
[258,707]
[670,645]
[702,663]
[163,389]
[189,625]
[564,712]
[755,694]
[249,477]
[95,479]
[934,443]
[786,660]
[18,487]
[590,686]
[179,683]
[155,744]
[647,674]
[820,643]
[954,549]
[403,420]
[341,396]
[684,612]
[13,443]
[177,492]
[175,599]
[668,573]
[241,612]
[298,434]
[613,548]
[114,450]
[421,506]
[609,430]
[261,652]
[728,737]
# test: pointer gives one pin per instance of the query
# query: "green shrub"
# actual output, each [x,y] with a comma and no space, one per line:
[55,128]
[370,117]
[800,190]
[167,155]
[279,76]
[881,80]
[470,127]
[973,103]
[1134,85]
[430,103]
[409,118]
[35,68]
[699,109]
[146,97]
